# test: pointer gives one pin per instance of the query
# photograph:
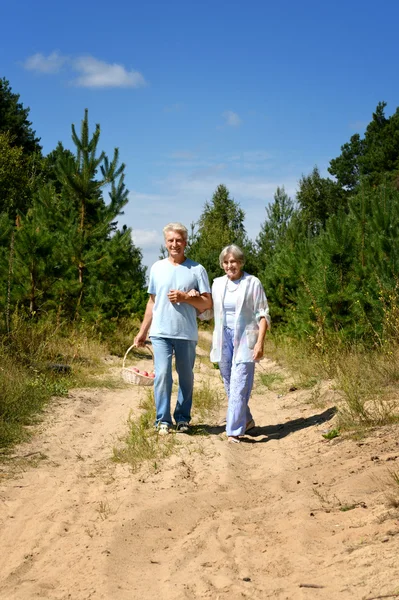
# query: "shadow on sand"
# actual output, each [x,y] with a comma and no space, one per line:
[268,432]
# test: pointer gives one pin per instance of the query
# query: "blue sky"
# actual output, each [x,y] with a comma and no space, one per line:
[250,94]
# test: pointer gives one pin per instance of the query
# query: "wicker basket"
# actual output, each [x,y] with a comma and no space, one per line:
[131,376]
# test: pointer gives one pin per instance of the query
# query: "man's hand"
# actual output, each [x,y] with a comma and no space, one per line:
[139,340]
[176,296]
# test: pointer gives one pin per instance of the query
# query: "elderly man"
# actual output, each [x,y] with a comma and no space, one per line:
[171,319]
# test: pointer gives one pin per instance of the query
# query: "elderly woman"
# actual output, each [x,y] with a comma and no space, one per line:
[242,318]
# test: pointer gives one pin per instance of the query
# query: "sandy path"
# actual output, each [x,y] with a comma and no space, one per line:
[261,519]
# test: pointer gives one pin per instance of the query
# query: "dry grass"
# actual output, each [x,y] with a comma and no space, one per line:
[207,400]
[367,381]
[393,493]
[142,443]
[271,380]
[39,360]
[369,391]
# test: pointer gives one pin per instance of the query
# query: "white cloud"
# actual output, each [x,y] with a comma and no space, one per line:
[185,198]
[45,64]
[92,72]
[232,118]
[147,238]
[97,73]
[180,195]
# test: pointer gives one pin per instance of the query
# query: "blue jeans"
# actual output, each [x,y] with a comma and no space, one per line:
[184,351]
[238,381]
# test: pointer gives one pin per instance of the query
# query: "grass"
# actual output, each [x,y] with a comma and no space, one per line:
[103,509]
[207,400]
[393,495]
[41,360]
[270,380]
[366,380]
[368,387]
[142,443]
[330,435]
[23,394]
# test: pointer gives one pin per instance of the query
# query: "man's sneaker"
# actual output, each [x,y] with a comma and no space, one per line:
[163,429]
[182,427]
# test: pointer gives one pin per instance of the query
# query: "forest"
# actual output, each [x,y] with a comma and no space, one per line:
[328,258]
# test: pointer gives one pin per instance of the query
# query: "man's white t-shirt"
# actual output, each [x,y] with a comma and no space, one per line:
[175,320]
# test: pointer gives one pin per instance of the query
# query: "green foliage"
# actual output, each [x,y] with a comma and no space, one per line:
[221,224]
[274,229]
[330,435]
[269,380]
[318,199]
[372,157]
[14,176]
[14,120]
[66,254]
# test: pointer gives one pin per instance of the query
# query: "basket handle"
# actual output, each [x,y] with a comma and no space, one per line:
[147,343]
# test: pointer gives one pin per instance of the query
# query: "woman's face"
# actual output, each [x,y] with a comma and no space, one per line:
[232,267]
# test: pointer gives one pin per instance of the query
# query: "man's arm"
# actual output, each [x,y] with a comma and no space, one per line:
[146,324]
[201,302]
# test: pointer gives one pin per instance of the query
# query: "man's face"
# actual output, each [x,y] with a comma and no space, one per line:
[175,244]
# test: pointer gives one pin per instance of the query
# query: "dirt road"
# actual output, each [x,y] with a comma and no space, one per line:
[285,514]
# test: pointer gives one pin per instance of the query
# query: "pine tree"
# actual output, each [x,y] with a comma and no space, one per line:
[372,157]
[274,228]
[70,255]
[221,224]
[43,251]
[94,219]
[14,120]
[319,198]
[15,180]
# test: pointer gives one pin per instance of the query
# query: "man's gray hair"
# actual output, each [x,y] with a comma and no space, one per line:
[235,251]
[178,227]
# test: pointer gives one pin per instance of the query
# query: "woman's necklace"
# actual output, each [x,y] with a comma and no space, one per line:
[236,284]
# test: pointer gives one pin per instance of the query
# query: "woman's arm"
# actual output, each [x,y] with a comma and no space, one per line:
[258,348]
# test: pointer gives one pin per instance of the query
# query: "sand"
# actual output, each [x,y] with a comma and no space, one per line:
[285,514]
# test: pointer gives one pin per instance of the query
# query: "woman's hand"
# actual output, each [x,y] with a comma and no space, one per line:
[258,351]
[193,293]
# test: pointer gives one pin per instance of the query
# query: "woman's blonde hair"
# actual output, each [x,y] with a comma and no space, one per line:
[178,227]
[235,251]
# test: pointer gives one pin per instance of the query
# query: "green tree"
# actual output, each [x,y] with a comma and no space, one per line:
[221,224]
[53,240]
[274,228]
[94,219]
[43,271]
[14,120]
[371,157]
[319,198]
[15,180]
[282,275]
[346,168]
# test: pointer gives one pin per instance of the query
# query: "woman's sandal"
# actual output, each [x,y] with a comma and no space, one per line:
[234,438]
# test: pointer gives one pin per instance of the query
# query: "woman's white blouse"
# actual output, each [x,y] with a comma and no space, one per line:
[251,306]
[229,308]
